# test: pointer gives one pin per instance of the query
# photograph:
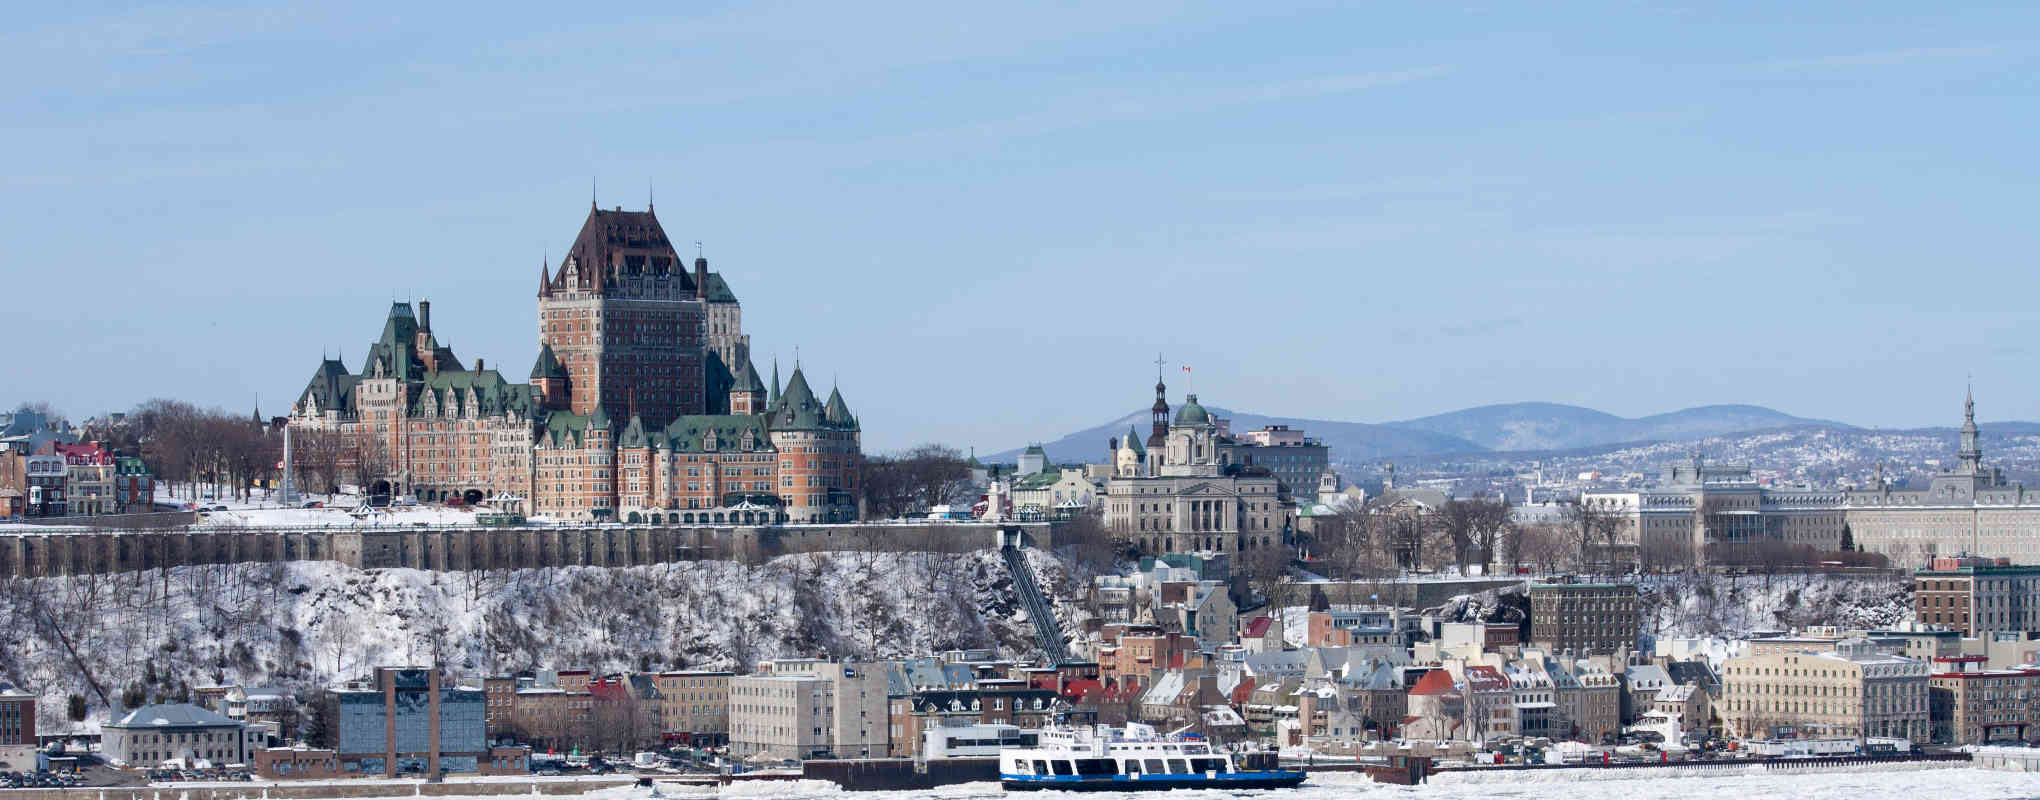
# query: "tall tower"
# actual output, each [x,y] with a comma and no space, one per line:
[1972,452]
[622,315]
[1159,432]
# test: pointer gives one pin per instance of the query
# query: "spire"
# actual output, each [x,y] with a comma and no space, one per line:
[648,194]
[544,280]
[774,398]
[591,194]
[1972,451]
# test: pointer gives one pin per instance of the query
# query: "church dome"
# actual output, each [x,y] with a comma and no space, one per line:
[1191,413]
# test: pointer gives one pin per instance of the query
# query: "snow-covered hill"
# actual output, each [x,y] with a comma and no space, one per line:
[1731,607]
[304,624]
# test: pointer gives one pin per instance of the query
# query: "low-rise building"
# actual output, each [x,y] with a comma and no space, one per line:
[1970,704]
[153,734]
[779,716]
[695,706]
[1976,595]
[1584,617]
[410,721]
[17,717]
[1851,690]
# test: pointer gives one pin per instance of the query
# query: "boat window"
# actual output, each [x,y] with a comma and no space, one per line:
[1154,767]
[1179,766]
[1062,767]
[1097,766]
[1133,766]
[1040,767]
[1208,764]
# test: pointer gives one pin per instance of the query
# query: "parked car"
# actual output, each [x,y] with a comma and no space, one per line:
[315,504]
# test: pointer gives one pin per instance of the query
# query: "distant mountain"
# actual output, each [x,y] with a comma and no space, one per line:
[1349,441]
[1554,426]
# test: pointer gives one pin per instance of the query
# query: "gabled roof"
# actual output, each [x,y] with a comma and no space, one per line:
[1435,682]
[170,715]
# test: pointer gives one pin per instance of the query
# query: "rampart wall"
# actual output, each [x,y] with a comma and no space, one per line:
[31,553]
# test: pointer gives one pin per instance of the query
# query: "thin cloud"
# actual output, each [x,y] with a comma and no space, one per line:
[1906,57]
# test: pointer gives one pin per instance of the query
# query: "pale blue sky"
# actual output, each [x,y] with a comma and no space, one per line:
[987,220]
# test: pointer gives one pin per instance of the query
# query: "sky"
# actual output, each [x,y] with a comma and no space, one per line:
[984,221]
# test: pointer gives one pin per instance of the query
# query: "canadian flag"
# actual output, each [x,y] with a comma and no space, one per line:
[1186,369]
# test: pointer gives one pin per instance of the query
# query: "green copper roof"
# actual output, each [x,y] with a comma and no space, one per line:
[837,412]
[690,434]
[1133,441]
[1191,413]
[798,409]
[719,290]
[633,433]
[548,365]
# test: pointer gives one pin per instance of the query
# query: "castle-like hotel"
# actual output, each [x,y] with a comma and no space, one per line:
[643,403]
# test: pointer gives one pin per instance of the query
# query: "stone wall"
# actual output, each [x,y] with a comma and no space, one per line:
[43,553]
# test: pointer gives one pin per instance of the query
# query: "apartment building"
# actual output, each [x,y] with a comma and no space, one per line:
[1583,617]
[1848,688]
[694,706]
[1978,595]
[1970,704]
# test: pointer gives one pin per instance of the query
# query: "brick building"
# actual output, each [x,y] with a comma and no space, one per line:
[643,403]
[17,717]
[1972,705]
[1583,617]
[1978,595]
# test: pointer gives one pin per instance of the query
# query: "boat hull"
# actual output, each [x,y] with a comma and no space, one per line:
[1158,783]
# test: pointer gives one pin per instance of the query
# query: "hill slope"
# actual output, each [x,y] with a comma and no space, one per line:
[1555,426]
[1350,441]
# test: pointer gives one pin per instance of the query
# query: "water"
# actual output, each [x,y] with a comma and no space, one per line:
[1868,784]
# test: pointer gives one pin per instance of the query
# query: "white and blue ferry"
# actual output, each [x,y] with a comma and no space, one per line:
[1135,758]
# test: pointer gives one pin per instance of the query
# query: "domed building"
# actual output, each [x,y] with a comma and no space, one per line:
[1187,488]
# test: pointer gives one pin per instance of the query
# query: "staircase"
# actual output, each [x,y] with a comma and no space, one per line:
[1039,610]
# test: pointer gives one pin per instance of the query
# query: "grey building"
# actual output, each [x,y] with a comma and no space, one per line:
[1970,510]
[153,734]
[1182,491]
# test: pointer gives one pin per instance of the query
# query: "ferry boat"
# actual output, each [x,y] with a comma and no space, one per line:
[1135,758]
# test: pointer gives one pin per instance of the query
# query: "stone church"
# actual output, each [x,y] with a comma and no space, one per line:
[1185,488]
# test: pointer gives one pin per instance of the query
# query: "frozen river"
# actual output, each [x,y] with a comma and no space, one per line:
[1883,784]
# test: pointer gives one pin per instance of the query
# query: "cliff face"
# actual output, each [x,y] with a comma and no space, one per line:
[302,625]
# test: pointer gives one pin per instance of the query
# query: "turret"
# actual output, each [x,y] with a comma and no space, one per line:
[701,277]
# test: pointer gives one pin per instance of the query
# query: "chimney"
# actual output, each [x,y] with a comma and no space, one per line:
[701,277]
[478,364]
[425,315]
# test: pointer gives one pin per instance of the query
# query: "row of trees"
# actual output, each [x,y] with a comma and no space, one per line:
[182,443]
[913,481]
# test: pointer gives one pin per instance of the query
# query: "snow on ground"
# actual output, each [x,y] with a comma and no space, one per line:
[304,624]
[338,517]
[1872,784]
